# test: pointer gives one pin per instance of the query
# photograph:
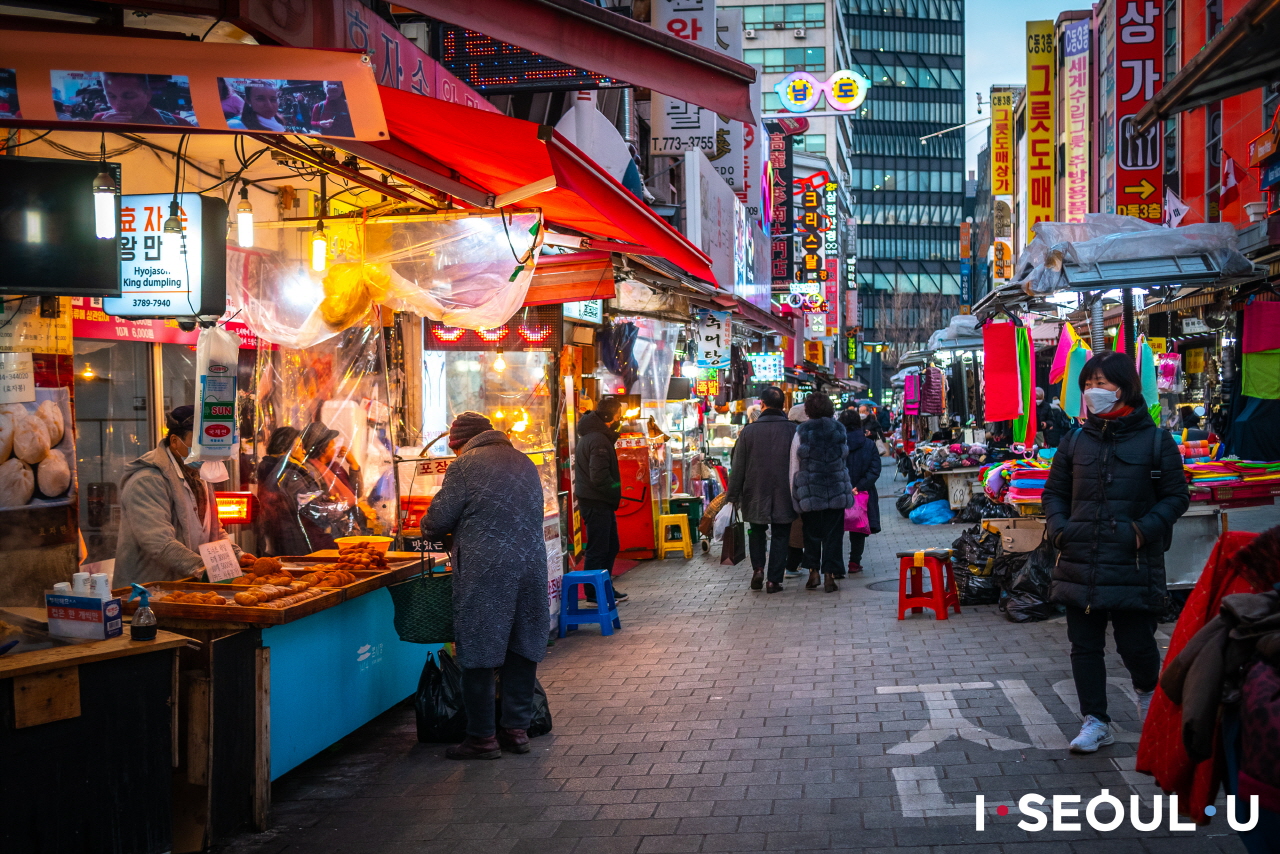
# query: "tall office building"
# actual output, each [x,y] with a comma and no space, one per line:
[909,194]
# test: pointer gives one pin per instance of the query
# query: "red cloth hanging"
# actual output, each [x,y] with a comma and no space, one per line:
[1161,752]
[1001,384]
[1261,327]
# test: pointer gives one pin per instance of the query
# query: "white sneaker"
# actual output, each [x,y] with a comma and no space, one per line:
[1093,734]
[1144,703]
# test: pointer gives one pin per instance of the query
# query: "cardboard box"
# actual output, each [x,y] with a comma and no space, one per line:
[83,617]
[1017,535]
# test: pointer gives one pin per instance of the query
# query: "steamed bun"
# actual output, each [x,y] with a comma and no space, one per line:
[51,414]
[6,436]
[53,474]
[31,439]
[16,483]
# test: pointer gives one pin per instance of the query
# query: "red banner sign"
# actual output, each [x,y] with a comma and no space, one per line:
[1139,69]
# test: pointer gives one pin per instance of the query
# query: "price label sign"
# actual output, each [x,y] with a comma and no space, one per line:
[220,561]
[17,378]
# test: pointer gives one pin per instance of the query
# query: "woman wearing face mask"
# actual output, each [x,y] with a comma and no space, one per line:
[1113,494]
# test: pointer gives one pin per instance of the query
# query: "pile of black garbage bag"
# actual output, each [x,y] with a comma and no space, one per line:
[919,493]
[1016,581]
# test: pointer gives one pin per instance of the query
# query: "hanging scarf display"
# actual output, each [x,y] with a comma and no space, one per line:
[1024,426]
[1001,380]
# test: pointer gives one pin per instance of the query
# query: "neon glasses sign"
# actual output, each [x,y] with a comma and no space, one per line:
[800,90]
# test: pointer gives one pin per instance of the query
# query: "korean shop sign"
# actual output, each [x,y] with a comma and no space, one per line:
[813,227]
[678,126]
[1041,142]
[713,339]
[1001,143]
[1139,69]
[1075,115]
[800,91]
[166,274]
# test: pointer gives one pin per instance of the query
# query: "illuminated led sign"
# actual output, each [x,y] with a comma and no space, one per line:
[800,90]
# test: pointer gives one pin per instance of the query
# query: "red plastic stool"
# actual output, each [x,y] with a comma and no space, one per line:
[942,591]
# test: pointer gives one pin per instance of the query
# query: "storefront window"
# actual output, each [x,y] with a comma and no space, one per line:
[516,399]
[113,425]
[178,374]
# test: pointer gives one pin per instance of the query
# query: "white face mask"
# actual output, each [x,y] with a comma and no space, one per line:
[1100,400]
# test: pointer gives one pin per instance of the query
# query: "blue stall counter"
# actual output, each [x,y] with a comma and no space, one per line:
[334,671]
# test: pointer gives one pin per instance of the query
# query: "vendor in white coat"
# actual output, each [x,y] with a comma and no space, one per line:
[166,511]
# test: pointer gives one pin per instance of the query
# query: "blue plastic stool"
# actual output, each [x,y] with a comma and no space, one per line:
[605,610]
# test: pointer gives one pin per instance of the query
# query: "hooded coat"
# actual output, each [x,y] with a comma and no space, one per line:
[160,530]
[491,501]
[595,463]
[758,482]
[864,470]
[820,477]
[1099,495]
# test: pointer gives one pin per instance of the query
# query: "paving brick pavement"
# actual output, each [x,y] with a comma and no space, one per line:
[725,720]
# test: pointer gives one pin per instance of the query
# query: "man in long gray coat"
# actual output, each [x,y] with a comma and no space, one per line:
[759,486]
[491,501]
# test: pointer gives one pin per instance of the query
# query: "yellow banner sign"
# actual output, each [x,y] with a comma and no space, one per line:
[1001,143]
[1039,118]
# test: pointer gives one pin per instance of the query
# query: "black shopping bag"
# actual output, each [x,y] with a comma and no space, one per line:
[438,702]
[734,548]
[541,723]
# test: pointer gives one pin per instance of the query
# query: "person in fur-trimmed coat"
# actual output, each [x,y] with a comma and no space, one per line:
[821,489]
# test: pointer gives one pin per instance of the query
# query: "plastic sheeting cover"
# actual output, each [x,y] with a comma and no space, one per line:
[472,272]
[1109,237]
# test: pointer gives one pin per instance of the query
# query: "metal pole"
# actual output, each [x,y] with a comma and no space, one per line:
[1130,330]
[1097,334]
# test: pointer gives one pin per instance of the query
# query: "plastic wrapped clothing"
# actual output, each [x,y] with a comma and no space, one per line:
[933,513]
[1109,237]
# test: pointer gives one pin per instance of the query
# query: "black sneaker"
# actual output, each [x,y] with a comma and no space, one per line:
[619,596]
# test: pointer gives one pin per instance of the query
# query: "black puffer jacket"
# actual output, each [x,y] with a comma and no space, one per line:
[595,463]
[761,459]
[1100,489]
[864,471]
[821,478]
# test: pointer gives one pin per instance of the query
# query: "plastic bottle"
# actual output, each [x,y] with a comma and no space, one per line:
[62,588]
[143,627]
[80,584]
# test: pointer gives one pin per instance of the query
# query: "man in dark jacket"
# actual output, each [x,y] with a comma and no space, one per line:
[864,469]
[598,484]
[491,501]
[759,487]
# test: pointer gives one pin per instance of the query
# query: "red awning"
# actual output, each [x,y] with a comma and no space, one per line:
[583,35]
[491,160]
[571,278]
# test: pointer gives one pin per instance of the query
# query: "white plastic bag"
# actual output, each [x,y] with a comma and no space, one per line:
[723,518]
[216,436]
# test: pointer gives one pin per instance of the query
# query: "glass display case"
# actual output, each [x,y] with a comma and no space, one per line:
[682,422]
[721,437]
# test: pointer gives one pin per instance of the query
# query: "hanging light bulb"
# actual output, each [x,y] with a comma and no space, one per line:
[104,205]
[173,223]
[87,373]
[319,248]
[244,220]
[499,364]
[498,414]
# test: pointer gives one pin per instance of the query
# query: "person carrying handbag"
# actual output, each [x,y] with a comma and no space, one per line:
[759,488]
[821,489]
[864,470]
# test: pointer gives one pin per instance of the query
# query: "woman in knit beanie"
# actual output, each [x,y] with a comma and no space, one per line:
[466,427]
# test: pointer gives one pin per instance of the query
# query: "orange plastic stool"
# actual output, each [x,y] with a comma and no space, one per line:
[942,592]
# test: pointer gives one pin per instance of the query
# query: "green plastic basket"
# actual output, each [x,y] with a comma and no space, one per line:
[424,607]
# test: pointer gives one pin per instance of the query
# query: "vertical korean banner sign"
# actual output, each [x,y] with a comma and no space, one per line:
[1041,142]
[782,214]
[1139,68]
[1001,143]
[713,339]
[677,126]
[1075,117]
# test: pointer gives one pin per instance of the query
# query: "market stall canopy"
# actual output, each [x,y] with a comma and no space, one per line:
[584,35]
[573,277]
[1109,251]
[492,161]
[1244,55]
[960,334]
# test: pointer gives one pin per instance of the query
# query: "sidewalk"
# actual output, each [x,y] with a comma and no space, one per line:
[726,720]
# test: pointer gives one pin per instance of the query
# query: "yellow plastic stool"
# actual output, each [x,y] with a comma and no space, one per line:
[685,543]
